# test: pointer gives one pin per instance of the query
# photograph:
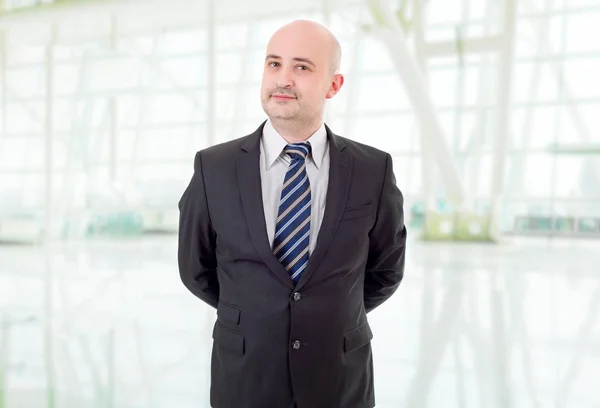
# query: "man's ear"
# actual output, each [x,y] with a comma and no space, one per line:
[336,85]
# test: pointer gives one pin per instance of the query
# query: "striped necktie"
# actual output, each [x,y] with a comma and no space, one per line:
[292,231]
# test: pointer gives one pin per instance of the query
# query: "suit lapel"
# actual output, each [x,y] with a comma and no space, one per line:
[340,171]
[248,173]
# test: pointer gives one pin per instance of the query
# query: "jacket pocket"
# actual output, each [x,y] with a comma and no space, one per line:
[358,337]
[228,339]
[351,213]
[228,313]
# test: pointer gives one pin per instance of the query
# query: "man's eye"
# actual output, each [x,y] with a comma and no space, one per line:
[303,67]
[274,63]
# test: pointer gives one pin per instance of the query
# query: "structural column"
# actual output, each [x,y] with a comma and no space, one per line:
[211,72]
[426,151]
[49,221]
[504,114]
[3,82]
[391,34]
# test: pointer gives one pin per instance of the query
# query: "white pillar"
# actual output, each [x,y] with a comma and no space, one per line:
[4,355]
[112,139]
[427,163]
[3,82]
[504,113]
[326,8]
[48,302]
[392,36]
[241,101]
[211,73]
[112,111]
[49,221]
[352,89]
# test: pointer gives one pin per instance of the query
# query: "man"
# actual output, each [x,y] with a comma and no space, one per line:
[293,234]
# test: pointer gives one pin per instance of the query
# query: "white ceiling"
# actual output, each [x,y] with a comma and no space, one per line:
[32,26]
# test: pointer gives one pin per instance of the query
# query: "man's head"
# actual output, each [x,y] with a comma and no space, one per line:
[300,72]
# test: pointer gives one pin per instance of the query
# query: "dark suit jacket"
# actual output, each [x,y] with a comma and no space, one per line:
[277,343]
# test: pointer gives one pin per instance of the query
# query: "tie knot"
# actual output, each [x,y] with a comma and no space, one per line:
[298,150]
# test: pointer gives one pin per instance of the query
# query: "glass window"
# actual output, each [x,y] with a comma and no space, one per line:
[570,180]
[67,79]
[21,153]
[171,108]
[23,54]
[409,180]
[229,69]
[374,57]
[382,92]
[534,127]
[443,86]
[136,44]
[251,104]
[163,144]
[174,73]
[535,175]
[257,64]
[571,122]
[535,82]
[387,132]
[26,82]
[114,74]
[583,31]
[581,77]
[24,117]
[469,138]
[235,35]
[589,117]
[445,11]
[182,41]
[473,94]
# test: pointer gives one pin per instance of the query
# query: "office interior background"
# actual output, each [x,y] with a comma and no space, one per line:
[489,108]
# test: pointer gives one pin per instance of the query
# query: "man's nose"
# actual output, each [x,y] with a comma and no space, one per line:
[285,78]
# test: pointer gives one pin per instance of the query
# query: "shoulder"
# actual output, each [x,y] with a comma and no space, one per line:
[223,149]
[366,155]
[222,154]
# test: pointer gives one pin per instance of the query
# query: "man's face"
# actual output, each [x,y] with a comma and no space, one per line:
[297,76]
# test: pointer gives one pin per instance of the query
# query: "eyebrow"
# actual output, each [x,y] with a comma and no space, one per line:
[299,59]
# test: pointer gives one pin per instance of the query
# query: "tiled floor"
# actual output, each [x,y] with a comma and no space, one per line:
[484,326]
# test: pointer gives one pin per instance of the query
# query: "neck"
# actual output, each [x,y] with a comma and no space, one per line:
[295,132]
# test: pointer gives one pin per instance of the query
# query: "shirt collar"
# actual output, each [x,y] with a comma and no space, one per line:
[274,144]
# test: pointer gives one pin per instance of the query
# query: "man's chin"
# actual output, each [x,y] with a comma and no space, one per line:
[282,117]
[281,114]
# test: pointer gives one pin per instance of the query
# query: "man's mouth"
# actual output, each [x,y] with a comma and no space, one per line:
[283,96]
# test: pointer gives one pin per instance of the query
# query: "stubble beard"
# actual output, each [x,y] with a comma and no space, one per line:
[289,115]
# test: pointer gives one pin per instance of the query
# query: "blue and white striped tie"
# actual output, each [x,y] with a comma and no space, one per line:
[292,231]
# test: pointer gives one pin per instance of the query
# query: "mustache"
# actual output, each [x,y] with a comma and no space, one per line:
[283,91]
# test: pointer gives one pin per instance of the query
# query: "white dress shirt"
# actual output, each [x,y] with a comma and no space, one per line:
[274,163]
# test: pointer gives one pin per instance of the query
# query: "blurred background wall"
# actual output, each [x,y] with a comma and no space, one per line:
[489,108]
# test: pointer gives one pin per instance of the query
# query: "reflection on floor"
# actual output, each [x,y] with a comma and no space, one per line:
[109,324]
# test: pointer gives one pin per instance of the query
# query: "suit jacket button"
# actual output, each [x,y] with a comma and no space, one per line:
[297,297]
[296,345]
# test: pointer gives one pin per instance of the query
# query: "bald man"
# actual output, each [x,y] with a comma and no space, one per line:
[293,234]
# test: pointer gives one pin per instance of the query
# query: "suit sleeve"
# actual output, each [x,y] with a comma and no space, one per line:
[385,264]
[196,247]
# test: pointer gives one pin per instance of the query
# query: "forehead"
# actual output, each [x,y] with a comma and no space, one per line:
[294,44]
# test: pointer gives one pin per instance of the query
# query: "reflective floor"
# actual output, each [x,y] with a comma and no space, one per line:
[109,324]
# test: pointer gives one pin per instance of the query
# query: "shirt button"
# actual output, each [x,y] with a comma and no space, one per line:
[296,345]
[297,297]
